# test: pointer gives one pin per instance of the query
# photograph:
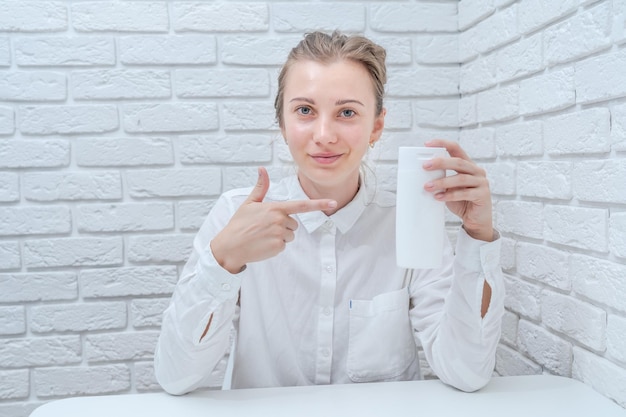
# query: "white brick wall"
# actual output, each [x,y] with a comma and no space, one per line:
[120,124]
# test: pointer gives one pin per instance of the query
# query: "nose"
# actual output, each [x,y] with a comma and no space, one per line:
[324,131]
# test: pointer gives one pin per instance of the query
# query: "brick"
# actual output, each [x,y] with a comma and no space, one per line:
[616,337]
[174,183]
[478,75]
[473,11]
[244,177]
[592,88]
[520,217]
[468,44]
[255,50]
[617,234]
[507,255]
[120,346]
[249,116]
[468,112]
[254,148]
[618,127]
[478,143]
[144,377]
[498,104]
[509,327]
[437,113]
[584,228]
[601,181]
[5,52]
[509,362]
[34,220]
[399,115]
[53,186]
[125,217]
[437,49]
[14,384]
[9,187]
[578,36]
[534,14]
[191,214]
[130,16]
[550,92]
[18,409]
[73,252]
[423,81]
[307,17]
[50,120]
[601,374]
[120,84]
[399,49]
[40,351]
[227,17]
[599,280]
[64,51]
[7,121]
[543,347]
[32,85]
[148,313]
[128,281]
[38,286]
[12,322]
[546,265]
[545,179]
[582,132]
[191,83]
[78,317]
[34,153]
[519,59]
[502,177]
[131,151]
[168,50]
[417,17]
[160,248]
[170,117]
[574,318]
[493,32]
[74,381]
[33,16]
[523,298]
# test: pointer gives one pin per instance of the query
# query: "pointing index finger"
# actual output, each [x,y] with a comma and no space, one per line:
[303,206]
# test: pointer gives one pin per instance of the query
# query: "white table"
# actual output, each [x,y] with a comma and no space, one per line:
[528,396]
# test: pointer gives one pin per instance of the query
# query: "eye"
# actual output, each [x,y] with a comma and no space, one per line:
[347,113]
[304,110]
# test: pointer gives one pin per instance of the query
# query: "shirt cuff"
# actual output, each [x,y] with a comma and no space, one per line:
[477,255]
[221,284]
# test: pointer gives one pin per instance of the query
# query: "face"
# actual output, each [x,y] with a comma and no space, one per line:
[329,120]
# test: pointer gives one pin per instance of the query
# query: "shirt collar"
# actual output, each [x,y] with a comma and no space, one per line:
[344,218]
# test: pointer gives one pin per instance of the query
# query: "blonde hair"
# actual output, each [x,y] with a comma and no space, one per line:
[324,48]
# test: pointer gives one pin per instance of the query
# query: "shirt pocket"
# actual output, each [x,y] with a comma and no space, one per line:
[381,344]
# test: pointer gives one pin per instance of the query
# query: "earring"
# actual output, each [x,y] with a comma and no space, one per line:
[372,145]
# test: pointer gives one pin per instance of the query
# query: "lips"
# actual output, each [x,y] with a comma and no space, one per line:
[325,158]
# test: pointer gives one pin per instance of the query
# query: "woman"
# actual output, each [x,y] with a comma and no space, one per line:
[304,269]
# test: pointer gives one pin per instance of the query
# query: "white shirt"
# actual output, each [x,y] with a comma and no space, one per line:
[333,307]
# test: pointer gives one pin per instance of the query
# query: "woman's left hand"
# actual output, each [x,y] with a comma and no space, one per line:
[467,193]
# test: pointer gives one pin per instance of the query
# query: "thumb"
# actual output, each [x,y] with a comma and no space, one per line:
[260,189]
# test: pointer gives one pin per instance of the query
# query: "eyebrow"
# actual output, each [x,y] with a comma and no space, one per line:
[337,103]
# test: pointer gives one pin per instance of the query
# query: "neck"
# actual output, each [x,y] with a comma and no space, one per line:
[342,193]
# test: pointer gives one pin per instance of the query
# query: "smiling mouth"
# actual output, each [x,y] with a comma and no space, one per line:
[325,159]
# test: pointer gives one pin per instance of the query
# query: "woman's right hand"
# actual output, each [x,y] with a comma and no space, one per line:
[259,230]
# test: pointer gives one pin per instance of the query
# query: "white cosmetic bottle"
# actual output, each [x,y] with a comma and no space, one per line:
[420,218]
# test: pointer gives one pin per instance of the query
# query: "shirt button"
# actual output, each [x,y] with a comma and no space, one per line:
[327,311]
[325,353]
[225,287]
[328,223]
[329,268]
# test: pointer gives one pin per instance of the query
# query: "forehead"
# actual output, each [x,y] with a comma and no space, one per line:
[337,77]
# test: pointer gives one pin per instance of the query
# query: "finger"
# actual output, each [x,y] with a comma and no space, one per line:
[453,148]
[455,164]
[289,236]
[458,181]
[291,223]
[303,206]
[260,189]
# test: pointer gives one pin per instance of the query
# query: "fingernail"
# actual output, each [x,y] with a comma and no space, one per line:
[429,185]
[427,164]
[332,204]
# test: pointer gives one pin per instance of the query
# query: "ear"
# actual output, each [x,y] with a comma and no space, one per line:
[379,125]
